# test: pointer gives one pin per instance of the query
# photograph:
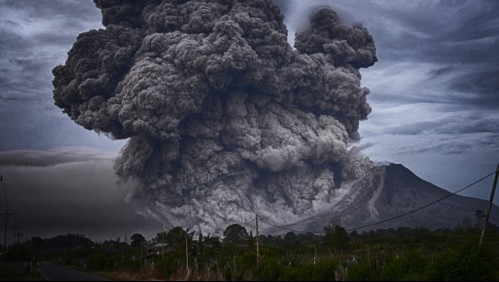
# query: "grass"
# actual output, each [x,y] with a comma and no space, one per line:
[19,271]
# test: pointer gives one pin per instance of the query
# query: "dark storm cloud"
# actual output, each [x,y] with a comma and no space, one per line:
[460,36]
[31,33]
[34,37]
[407,99]
[438,31]
[447,144]
[50,39]
[480,87]
[72,12]
[448,148]
[15,64]
[472,21]
[10,41]
[454,125]
[442,57]
[441,71]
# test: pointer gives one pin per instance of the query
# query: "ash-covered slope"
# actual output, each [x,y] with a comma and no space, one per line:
[392,190]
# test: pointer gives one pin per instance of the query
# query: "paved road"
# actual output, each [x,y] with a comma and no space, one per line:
[53,272]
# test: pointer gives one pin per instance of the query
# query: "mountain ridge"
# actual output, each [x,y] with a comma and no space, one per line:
[387,197]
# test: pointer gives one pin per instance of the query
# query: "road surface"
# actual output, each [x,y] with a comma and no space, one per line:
[53,272]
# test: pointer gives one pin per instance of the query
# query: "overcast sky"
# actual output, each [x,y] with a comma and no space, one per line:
[434,94]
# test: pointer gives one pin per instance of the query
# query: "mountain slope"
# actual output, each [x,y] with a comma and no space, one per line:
[392,190]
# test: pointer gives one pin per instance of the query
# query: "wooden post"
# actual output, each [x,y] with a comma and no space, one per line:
[186,253]
[257,244]
[18,236]
[7,214]
[491,203]
[14,232]
[141,248]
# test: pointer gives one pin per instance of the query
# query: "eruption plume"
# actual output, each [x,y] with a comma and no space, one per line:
[224,117]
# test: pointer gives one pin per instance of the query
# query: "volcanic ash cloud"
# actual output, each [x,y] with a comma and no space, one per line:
[224,118]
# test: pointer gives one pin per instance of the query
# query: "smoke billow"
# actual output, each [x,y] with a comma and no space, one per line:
[223,117]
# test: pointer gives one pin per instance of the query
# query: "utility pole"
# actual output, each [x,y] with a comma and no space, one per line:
[141,249]
[257,244]
[14,231]
[6,214]
[19,236]
[186,253]
[123,251]
[491,203]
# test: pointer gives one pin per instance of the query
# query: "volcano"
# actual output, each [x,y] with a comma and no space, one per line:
[386,193]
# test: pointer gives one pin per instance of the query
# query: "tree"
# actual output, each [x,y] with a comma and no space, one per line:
[290,237]
[235,234]
[138,240]
[337,237]
[68,241]
[36,242]
[479,215]
[174,237]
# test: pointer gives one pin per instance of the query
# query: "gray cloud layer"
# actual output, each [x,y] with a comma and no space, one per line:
[34,37]
[51,158]
[459,38]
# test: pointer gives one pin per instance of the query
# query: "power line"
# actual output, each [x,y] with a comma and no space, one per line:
[491,203]
[283,227]
[289,229]
[422,207]
[248,222]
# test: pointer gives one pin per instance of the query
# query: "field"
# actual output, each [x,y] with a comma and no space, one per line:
[177,254]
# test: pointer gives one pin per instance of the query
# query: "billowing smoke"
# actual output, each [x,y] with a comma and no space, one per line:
[224,118]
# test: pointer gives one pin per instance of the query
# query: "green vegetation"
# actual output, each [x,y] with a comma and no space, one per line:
[178,254]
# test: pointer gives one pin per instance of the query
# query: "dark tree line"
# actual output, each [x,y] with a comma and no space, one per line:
[385,254]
